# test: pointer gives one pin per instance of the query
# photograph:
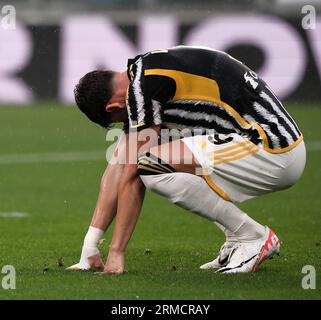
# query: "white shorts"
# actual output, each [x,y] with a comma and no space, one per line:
[239,170]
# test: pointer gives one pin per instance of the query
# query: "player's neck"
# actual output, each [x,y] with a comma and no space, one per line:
[121,82]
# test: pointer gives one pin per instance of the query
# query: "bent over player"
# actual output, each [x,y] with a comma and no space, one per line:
[242,143]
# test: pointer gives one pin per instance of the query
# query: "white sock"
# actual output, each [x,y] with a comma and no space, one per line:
[229,235]
[239,226]
[90,246]
[192,192]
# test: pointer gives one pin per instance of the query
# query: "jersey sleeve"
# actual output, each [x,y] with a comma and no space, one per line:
[143,110]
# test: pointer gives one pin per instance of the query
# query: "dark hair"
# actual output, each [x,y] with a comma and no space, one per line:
[92,93]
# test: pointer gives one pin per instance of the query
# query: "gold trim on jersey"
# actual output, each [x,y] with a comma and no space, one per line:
[265,141]
[260,130]
[194,87]
[137,125]
[131,72]
[189,86]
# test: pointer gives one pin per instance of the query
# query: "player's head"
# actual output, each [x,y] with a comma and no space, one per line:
[93,94]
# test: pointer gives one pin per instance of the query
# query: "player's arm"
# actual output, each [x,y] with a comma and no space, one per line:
[106,205]
[130,198]
[104,213]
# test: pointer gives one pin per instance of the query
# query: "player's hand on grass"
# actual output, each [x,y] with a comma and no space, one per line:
[115,263]
[93,263]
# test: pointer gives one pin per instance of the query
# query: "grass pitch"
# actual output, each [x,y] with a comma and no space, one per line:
[51,160]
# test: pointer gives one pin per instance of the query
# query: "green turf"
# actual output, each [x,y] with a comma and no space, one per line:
[60,196]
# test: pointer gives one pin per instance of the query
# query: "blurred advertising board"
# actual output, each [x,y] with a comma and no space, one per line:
[44,62]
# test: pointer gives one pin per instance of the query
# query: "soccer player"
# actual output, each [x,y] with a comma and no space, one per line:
[236,142]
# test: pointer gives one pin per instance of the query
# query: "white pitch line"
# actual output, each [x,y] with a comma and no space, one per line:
[52,157]
[93,155]
[14,214]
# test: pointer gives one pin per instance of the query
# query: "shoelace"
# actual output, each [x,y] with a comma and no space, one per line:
[233,250]
[224,247]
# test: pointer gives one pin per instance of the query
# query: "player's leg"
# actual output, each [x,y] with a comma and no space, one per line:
[178,182]
[183,156]
[244,170]
[254,173]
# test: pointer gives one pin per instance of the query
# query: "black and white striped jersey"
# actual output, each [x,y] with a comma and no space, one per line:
[200,88]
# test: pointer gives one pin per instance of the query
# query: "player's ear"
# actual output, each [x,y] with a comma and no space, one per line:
[112,106]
